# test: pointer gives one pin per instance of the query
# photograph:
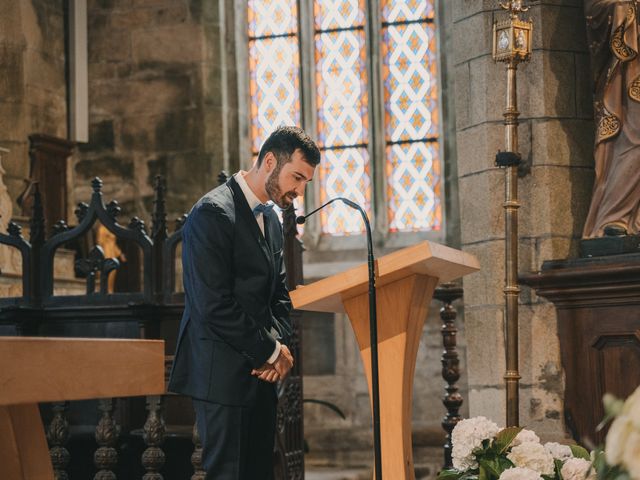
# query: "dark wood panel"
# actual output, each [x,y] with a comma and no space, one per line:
[598,307]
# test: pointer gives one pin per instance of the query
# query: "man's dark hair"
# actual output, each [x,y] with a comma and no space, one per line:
[286,140]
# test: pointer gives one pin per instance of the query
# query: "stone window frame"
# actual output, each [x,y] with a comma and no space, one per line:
[313,237]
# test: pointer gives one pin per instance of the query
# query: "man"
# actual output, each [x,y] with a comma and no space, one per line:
[232,343]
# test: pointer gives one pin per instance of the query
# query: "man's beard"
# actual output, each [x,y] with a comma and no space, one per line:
[272,186]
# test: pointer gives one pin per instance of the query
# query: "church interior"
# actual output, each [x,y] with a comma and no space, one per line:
[478,125]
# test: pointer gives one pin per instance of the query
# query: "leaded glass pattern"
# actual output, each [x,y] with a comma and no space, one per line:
[274,67]
[272,17]
[345,173]
[342,118]
[413,186]
[411,116]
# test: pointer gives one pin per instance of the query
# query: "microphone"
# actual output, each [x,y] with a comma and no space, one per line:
[373,327]
[303,218]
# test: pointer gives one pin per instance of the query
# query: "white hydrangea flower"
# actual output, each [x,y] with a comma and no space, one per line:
[558,451]
[631,455]
[468,435]
[632,408]
[532,455]
[616,441]
[576,469]
[525,436]
[520,473]
[623,438]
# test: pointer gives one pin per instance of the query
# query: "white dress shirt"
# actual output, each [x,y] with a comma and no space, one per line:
[253,202]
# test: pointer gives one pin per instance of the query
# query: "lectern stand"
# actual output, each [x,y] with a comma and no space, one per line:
[38,370]
[405,281]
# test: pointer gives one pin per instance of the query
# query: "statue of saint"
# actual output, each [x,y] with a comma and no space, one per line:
[612,31]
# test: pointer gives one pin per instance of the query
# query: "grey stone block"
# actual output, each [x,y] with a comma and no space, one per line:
[481,199]
[487,90]
[485,354]
[486,286]
[567,142]
[463,9]
[174,44]
[554,201]
[547,85]
[559,27]
[109,45]
[462,100]
[472,37]
[477,147]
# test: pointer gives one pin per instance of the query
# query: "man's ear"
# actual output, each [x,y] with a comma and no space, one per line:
[269,161]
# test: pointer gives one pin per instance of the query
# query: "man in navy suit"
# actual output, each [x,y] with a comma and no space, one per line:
[232,343]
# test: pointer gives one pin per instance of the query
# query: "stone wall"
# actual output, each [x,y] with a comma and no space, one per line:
[162,100]
[556,138]
[32,81]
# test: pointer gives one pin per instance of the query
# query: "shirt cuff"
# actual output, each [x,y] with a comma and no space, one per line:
[274,355]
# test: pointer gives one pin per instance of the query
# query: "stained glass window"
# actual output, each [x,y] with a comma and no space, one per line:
[342,110]
[274,67]
[410,170]
[413,178]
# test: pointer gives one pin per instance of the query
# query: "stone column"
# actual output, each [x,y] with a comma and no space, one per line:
[556,139]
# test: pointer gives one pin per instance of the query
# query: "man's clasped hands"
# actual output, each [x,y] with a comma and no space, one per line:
[278,370]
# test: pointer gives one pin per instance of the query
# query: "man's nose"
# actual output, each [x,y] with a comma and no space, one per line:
[299,189]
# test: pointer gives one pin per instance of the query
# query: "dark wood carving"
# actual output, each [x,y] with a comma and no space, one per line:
[196,456]
[598,306]
[153,457]
[107,433]
[452,400]
[57,437]
[48,167]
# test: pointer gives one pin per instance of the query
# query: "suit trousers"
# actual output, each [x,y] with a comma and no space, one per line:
[238,441]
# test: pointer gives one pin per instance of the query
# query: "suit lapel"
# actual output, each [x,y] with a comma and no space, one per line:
[242,207]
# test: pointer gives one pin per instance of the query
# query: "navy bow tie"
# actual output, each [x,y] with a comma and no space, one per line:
[262,208]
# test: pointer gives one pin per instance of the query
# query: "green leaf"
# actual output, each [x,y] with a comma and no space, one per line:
[505,463]
[557,464]
[483,475]
[491,467]
[449,474]
[505,437]
[579,452]
[469,476]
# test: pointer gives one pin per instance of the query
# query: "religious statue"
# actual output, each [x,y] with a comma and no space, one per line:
[612,30]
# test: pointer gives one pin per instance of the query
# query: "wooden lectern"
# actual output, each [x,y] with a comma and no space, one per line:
[405,281]
[38,370]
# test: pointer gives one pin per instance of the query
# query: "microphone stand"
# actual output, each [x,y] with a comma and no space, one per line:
[373,328]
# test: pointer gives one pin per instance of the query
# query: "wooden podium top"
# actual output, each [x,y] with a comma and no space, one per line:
[424,258]
[40,369]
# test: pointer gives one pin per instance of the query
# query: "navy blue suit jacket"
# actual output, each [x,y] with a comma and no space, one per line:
[236,300]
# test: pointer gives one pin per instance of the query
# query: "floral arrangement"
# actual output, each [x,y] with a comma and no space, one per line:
[483,451]
[620,460]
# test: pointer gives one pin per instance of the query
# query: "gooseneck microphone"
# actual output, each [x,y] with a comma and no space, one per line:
[303,218]
[373,326]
